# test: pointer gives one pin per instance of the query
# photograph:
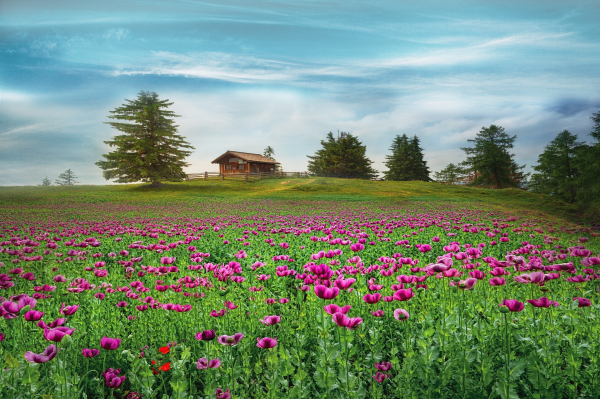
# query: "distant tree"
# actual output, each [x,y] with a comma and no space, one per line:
[344,156]
[490,161]
[451,174]
[269,152]
[557,168]
[67,178]
[46,182]
[588,183]
[406,162]
[150,150]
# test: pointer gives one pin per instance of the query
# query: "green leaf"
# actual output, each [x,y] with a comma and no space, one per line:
[11,362]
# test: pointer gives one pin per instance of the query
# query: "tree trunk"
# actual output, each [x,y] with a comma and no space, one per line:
[156,184]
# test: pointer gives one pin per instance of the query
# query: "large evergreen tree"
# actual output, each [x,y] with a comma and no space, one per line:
[557,168]
[150,150]
[406,162]
[588,185]
[397,163]
[344,156]
[490,160]
[418,169]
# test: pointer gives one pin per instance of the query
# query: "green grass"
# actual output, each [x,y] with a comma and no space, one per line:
[317,189]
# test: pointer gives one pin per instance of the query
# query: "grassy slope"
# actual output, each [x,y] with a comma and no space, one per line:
[321,189]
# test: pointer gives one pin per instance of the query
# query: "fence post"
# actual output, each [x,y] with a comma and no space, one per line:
[222,176]
[205,175]
[246,176]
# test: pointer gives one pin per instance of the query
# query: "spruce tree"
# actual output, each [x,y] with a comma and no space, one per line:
[397,163]
[46,182]
[490,160]
[417,166]
[451,174]
[588,183]
[557,168]
[406,162]
[344,156]
[67,178]
[269,152]
[150,150]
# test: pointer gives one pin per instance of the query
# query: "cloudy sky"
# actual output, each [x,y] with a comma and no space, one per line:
[247,74]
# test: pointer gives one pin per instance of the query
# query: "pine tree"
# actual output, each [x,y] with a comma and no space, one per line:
[344,156]
[417,166]
[490,160]
[451,174]
[67,178]
[557,168]
[406,162]
[46,182]
[588,183]
[397,163]
[269,152]
[150,150]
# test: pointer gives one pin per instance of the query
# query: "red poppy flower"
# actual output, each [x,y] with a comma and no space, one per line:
[154,372]
[165,367]
[153,362]
[164,350]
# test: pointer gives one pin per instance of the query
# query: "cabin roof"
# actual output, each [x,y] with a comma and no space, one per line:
[246,156]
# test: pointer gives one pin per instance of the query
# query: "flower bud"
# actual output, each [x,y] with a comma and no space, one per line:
[503,309]
[67,341]
[24,310]
[178,348]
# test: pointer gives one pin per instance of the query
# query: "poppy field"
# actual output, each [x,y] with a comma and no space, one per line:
[296,299]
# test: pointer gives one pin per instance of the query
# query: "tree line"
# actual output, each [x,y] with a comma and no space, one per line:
[150,150]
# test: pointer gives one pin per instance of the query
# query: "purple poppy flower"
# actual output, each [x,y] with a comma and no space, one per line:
[543,302]
[223,394]
[266,343]
[230,340]
[513,305]
[48,354]
[110,343]
[203,363]
[57,334]
[326,293]
[112,378]
[380,377]
[333,308]
[68,310]
[401,314]
[167,260]
[383,366]
[90,352]
[33,315]
[206,335]
[372,298]
[497,281]
[378,313]
[403,295]
[270,320]
[583,302]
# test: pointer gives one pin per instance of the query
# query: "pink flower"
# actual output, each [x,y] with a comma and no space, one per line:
[344,284]
[404,295]
[223,394]
[266,343]
[326,293]
[543,302]
[425,248]
[372,298]
[333,308]
[513,305]
[583,302]
[383,366]
[380,377]
[203,363]
[378,313]
[270,320]
[497,281]
[401,314]
[230,340]
[220,313]
[48,354]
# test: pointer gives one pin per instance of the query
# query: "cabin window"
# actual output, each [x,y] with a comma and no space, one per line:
[232,167]
[227,167]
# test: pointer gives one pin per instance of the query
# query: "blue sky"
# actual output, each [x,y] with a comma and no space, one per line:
[247,74]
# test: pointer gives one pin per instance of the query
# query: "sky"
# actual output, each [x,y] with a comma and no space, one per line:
[249,74]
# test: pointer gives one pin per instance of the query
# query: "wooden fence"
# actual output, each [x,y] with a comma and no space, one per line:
[244,176]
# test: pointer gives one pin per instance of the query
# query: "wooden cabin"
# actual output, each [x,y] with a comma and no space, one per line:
[244,162]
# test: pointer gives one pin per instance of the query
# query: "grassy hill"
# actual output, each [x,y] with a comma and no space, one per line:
[321,189]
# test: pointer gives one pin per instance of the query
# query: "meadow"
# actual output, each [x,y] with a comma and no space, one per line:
[296,288]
